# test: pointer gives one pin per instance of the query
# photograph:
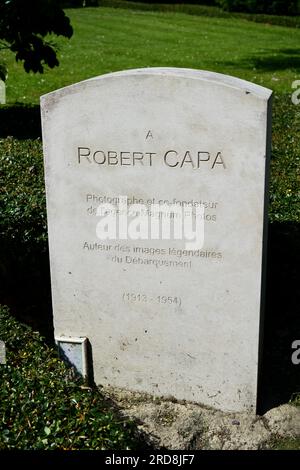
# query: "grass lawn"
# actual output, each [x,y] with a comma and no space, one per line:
[108,39]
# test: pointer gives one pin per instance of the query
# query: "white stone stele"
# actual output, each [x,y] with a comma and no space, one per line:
[191,329]
[2,92]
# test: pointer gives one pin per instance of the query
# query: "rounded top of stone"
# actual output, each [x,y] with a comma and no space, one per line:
[190,74]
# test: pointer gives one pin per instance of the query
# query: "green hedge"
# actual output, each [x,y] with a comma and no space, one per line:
[183,2]
[187,8]
[203,10]
[42,405]
[273,7]
[285,161]
[22,194]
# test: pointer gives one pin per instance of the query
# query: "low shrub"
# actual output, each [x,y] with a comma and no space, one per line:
[285,162]
[22,194]
[42,408]
[203,10]
[188,2]
[273,7]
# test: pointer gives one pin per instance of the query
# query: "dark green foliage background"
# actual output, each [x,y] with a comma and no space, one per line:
[203,9]
[272,7]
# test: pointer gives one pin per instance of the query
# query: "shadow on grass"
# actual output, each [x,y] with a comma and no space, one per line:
[280,378]
[25,288]
[20,121]
[282,59]
[278,62]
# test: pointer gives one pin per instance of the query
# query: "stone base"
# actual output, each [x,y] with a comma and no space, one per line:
[174,425]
